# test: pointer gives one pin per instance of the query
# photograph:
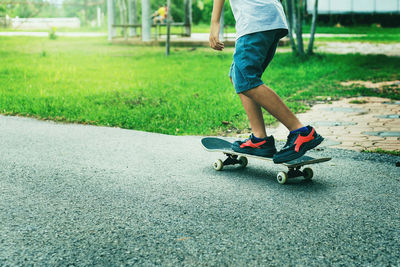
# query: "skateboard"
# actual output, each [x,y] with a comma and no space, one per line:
[214,144]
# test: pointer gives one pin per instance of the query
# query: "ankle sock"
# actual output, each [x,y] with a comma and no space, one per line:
[300,130]
[256,139]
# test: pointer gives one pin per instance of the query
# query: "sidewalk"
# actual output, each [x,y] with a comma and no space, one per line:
[361,123]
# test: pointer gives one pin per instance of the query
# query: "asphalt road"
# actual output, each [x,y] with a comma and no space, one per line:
[84,195]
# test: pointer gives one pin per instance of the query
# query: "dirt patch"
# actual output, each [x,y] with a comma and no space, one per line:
[386,87]
[360,47]
[372,85]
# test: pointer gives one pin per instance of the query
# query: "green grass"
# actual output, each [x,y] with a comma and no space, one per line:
[87,80]
[353,30]
[382,151]
[358,102]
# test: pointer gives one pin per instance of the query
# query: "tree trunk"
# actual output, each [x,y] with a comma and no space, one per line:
[188,17]
[288,5]
[299,28]
[132,14]
[86,11]
[124,18]
[110,14]
[295,10]
[167,43]
[313,28]
[146,25]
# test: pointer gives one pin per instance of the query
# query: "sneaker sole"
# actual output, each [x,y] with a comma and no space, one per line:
[256,152]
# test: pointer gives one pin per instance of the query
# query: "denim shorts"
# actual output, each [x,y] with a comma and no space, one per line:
[253,53]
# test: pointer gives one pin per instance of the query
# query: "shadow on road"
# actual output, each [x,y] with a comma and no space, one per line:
[261,177]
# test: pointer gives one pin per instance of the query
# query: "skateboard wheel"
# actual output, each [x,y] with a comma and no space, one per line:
[218,165]
[243,161]
[282,177]
[308,173]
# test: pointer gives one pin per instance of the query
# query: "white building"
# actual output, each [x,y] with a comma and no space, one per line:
[355,6]
[44,23]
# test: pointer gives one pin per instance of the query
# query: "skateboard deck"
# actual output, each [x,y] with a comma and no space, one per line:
[214,144]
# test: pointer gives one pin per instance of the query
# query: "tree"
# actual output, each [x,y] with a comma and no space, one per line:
[23,9]
[85,10]
[295,12]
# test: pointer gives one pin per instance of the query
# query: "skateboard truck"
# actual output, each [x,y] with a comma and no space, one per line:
[282,177]
[294,172]
[231,160]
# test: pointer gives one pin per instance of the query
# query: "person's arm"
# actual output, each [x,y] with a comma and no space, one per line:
[214,31]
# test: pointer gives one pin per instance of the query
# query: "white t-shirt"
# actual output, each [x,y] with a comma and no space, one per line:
[258,15]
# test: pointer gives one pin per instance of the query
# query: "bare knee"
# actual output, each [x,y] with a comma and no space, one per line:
[256,92]
[248,93]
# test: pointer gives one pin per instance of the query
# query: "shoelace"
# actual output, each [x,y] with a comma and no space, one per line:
[247,139]
[290,140]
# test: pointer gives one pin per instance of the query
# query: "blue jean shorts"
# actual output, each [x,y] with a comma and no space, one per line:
[253,53]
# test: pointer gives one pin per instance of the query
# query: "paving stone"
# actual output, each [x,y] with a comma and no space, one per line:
[344,109]
[375,138]
[394,129]
[390,122]
[392,102]
[363,118]
[380,129]
[391,138]
[375,123]
[331,137]
[364,144]
[354,137]
[388,116]
[389,147]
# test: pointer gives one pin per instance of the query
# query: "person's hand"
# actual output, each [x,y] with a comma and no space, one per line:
[214,37]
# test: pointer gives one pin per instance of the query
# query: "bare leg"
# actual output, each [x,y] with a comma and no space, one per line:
[270,101]
[255,116]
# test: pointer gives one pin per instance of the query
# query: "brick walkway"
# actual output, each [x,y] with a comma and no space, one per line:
[346,124]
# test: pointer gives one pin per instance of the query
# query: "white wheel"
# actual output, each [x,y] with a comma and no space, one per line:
[243,161]
[282,177]
[308,173]
[218,165]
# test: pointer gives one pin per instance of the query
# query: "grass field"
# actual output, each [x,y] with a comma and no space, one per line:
[87,80]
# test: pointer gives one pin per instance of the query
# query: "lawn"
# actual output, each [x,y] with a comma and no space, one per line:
[87,80]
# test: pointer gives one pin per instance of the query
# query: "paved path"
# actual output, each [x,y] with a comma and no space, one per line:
[84,195]
[362,123]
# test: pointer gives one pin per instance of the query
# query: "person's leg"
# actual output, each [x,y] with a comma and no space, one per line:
[271,102]
[300,139]
[255,116]
[258,143]
[250,61]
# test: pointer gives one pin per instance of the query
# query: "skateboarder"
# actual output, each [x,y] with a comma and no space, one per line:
[260,24]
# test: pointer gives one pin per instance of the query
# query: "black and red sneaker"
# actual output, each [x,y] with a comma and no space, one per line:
[298,144]
[264,148]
